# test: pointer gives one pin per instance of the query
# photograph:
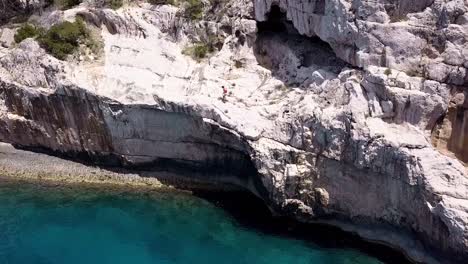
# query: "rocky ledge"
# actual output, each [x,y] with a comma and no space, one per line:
[346,112]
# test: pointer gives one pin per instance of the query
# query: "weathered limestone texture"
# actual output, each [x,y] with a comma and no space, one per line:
[451,134]
[424,38]
[12,8]
[354,114]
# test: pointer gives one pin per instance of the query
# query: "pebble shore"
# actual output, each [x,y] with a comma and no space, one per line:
[18,164]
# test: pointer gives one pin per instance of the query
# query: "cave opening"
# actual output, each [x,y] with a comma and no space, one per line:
[290,56]
[276,21]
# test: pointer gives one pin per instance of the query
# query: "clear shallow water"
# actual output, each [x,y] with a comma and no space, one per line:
[78,225]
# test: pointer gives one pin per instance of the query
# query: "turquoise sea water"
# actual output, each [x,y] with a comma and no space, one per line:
[65,225]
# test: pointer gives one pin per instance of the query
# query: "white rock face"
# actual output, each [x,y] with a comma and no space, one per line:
[304,130]
[425,37]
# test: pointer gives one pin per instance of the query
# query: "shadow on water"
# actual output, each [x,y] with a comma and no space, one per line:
[251,212]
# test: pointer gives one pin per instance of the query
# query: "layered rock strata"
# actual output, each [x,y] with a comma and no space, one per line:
[344,139]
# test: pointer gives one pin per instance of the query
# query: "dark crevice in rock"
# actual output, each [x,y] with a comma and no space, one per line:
[280,48]
[449,134]
[398,9]
[276,22]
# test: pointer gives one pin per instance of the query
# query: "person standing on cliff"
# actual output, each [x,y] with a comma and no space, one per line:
[225,91]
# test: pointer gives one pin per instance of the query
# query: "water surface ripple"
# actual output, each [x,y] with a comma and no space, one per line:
[48,225]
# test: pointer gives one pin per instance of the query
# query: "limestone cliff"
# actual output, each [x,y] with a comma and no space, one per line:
[18,8]
[347,115]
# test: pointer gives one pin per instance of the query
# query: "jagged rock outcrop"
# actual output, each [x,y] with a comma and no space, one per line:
[423,38]
[451,133]
[314,137]
[12,8]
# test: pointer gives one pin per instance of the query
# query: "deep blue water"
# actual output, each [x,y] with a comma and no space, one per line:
[65,225]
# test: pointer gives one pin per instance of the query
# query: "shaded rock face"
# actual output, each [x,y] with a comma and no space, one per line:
[78,124]
[423,38]
[37,120]
[390,206]
[12,8]
[336,173]
[291,57]
[307,130]
[451,133]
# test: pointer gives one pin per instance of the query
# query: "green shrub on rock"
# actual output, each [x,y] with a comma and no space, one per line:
[64,38]
[67,4]
[115,4]
[27,31]
[198,51]
[238,64]
[162,2]
[193,9]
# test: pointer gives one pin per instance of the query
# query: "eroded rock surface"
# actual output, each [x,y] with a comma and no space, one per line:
[451,133]
[424,38]
[344,139]
[12,8]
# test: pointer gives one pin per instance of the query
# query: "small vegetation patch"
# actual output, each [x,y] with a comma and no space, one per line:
[198,51]
[162,2]
[238,64]
[64,38]
[201,50]
[27,31]
[114,4]
[66,4]
[193,9]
